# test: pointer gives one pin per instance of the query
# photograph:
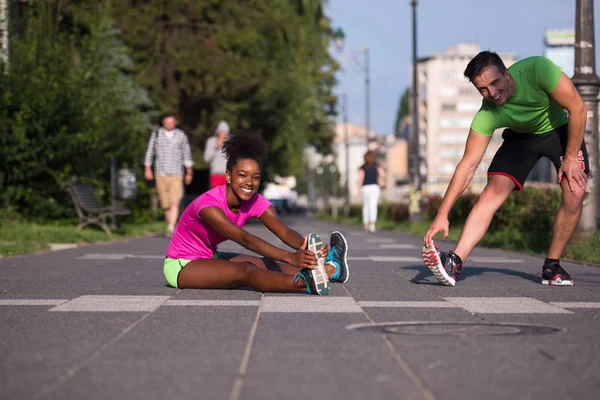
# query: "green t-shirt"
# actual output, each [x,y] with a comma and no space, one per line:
[530,109]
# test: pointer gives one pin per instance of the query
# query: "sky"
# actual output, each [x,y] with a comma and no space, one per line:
[507,26]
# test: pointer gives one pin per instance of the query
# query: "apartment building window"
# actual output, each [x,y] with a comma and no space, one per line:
[448,106]
[448,91]
[468,106]
[451,152]
[451,76]
[447,168]
[467,91]
[455,122]
[452,138]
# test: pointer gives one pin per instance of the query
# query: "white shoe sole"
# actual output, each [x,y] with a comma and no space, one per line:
[319,274]
[557,283]
[433,262]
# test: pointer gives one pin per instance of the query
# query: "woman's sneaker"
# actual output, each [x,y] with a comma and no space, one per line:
[319,274]
[338,257]
[446,267]
[553,274]
[312,287]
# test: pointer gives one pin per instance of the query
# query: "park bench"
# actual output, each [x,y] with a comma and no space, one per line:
[88,208]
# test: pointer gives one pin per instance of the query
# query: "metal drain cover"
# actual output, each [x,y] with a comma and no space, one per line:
[456,329]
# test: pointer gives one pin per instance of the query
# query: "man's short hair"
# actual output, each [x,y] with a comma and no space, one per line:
[168,114]
[481,62]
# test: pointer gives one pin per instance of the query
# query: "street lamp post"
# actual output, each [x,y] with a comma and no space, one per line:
[415,197]
[367,96]
[588,85]
[339,38]
[334,203]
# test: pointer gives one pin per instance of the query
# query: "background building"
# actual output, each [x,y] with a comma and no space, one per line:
[559,46]
[357,148]
[447,104]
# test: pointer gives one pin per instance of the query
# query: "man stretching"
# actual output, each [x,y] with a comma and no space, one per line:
[530,99]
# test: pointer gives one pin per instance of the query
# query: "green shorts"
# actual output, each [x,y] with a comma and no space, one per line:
[172,268]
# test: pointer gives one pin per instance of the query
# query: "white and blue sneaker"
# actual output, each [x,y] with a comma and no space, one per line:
[316,279]
[312,287]
[338,257]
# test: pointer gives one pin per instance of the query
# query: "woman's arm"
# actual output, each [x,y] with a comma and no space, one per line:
[361,179]
[287,235]
[271,220]
[217,219]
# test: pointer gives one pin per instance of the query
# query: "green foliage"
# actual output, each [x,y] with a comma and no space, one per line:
[525,220]
[21,238]
[587,250]
[403,109]
[260,63]
[85,76]
[66,105]
[396,212]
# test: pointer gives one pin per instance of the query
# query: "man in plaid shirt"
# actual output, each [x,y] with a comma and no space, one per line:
[169,150]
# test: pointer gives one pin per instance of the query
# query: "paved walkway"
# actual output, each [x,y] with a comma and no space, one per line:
[98,322]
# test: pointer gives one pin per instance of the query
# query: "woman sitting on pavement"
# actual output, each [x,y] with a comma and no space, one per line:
[219,214]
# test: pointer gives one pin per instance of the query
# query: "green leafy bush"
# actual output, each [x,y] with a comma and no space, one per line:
[67,105]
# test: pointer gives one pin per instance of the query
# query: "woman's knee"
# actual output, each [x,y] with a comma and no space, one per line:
[256,261]
[244,273]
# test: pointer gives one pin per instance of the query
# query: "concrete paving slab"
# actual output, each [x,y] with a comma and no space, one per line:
[505,305]
[112,304]
[313,304]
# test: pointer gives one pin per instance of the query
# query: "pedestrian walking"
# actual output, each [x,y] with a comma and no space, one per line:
[169,152]
[529,99]
[193,259]
[370,175]
[213,155]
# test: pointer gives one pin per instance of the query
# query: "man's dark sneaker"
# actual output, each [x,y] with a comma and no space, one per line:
[309,277]
[338,257]
[553,274]
[446,267]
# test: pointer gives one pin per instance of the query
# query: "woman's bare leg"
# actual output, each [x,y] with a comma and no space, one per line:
[240,271]
[271,265]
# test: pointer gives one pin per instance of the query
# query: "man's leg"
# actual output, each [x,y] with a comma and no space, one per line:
[175,195]
[566,219]
[171,215]
[447,267]
[498,188]
[162,188]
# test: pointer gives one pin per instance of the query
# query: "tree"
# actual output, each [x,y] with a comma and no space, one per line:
[403,109]
[261,63]
[67,105]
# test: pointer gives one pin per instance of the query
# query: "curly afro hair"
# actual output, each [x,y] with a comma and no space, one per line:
[245,144]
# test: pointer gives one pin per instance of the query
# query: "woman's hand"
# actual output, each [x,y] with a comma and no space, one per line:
[324,250]
[304,258]
[324,247]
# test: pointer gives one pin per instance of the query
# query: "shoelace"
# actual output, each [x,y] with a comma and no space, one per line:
[331,254]
[298,276]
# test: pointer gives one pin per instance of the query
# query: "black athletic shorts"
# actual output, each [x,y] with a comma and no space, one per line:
[519,153]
